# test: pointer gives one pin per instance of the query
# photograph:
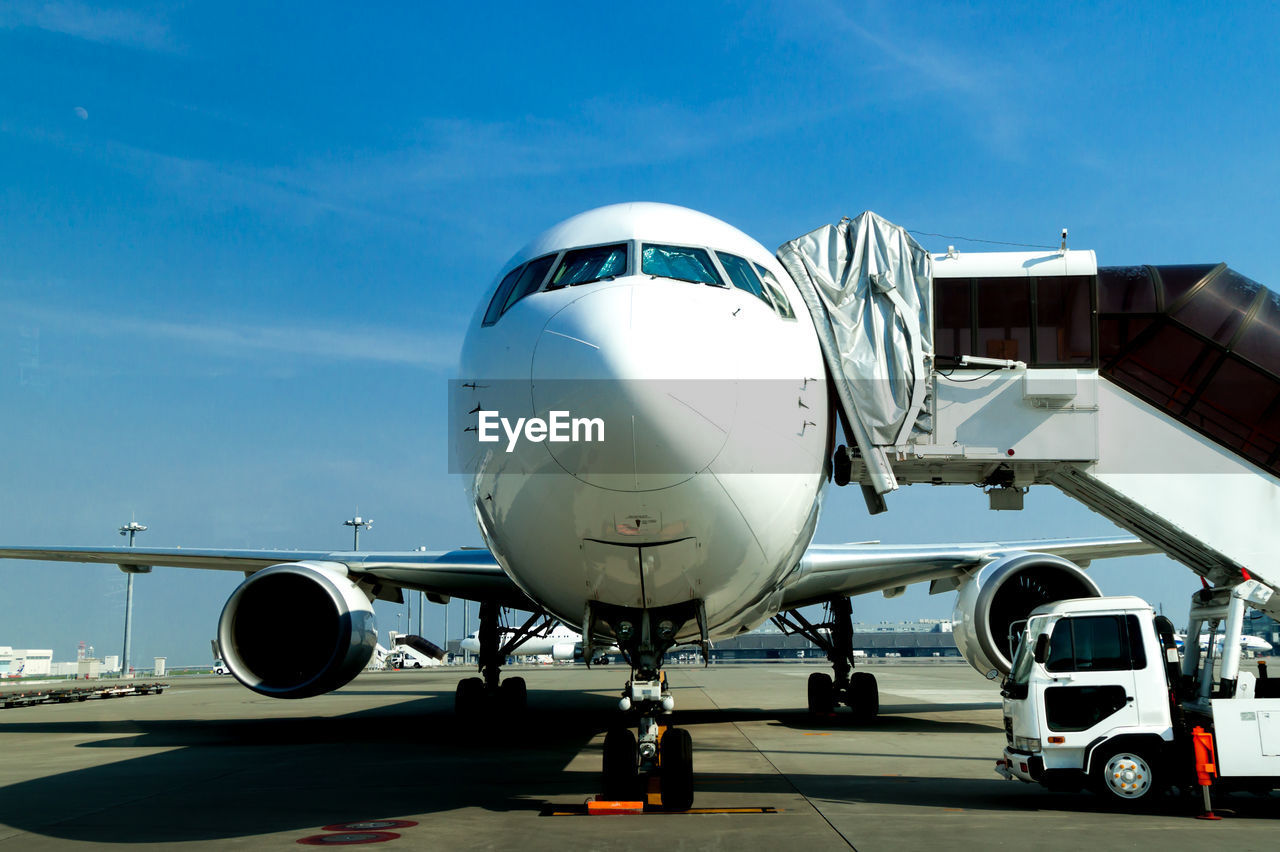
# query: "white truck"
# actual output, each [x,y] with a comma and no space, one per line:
[1096,697]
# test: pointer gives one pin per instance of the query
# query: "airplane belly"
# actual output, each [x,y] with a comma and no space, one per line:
[567,543]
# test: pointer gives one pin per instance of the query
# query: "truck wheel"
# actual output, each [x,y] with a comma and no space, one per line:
[1128,777]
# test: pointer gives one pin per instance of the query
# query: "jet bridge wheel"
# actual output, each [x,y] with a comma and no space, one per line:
[620,779]
[676,768]
[822,697]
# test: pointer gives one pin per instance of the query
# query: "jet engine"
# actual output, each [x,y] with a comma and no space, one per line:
[296,630]
[564,651]
[1005,591]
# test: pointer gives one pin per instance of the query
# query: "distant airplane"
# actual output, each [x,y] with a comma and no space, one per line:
[1254,644]
[562,643]
[694,521]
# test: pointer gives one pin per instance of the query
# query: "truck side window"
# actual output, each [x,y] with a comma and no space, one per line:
[1096,643]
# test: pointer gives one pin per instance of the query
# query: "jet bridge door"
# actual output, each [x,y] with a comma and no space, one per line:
[868,287]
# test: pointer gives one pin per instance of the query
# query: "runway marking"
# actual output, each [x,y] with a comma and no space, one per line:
[351,838]
[581,810]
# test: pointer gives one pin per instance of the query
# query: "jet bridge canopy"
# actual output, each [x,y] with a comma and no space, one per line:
[1203,344]
[868,287]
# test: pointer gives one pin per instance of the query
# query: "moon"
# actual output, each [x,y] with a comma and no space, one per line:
[82,113]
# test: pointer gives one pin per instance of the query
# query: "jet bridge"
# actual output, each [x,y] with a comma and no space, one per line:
[1149,393]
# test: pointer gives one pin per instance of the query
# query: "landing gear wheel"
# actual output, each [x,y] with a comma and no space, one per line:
[675,758]
[1128,778]
[619,781]
[513,694]
[822,697]
[469,697]
[864,697]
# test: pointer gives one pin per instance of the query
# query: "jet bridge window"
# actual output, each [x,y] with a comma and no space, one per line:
[1046,321]
[680,263]
[582,266]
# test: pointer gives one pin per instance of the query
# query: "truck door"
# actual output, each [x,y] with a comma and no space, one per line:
[1091,664]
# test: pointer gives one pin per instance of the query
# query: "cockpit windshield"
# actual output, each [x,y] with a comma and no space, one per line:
[681,263]
[582,266]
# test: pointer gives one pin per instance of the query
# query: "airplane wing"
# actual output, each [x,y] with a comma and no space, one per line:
[471,573]
[829,570]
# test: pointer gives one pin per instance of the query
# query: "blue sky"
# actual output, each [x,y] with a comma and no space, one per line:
[239,243]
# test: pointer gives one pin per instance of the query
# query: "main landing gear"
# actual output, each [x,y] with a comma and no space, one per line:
[656,750]
[489,693]
[857,690]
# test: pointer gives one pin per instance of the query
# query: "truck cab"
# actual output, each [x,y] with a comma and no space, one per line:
[1096,695]
[1091,672]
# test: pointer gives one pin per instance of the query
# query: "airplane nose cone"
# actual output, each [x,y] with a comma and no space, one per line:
[644,361]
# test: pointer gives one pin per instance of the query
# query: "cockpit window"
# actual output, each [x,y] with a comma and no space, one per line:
[582,266]
[499,301]
[515,285]
[771,284]
[742,275]
[530,280]
[680,263]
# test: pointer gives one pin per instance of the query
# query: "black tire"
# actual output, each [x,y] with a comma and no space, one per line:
[675,762]
[864,697]
[469,697]
[822,694]
[1128,777]
[841,466]
[619,779]
[513,694]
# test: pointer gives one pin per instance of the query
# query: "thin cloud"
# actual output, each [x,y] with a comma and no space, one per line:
[79,20]
[355,344]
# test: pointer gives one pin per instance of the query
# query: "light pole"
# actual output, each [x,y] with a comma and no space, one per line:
[132,529]
[358,523]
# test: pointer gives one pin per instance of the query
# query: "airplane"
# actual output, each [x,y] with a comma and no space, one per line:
[562,643]
[1252,644]
[694,522]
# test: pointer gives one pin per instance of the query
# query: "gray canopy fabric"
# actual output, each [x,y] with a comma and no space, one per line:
[868,287]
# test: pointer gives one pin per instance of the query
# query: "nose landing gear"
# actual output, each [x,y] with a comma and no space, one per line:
[656,752]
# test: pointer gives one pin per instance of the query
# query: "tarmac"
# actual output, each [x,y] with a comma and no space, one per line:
[210,764]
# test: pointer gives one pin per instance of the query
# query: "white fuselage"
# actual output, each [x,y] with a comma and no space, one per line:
[553,644]
[718,426]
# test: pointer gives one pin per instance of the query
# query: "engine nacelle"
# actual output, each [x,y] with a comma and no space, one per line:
[296,630]
[1004,591]
[563,651]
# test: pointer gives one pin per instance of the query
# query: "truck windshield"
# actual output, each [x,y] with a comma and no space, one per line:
[1022,658]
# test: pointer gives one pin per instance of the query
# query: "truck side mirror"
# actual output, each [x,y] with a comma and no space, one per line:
[1041,652]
